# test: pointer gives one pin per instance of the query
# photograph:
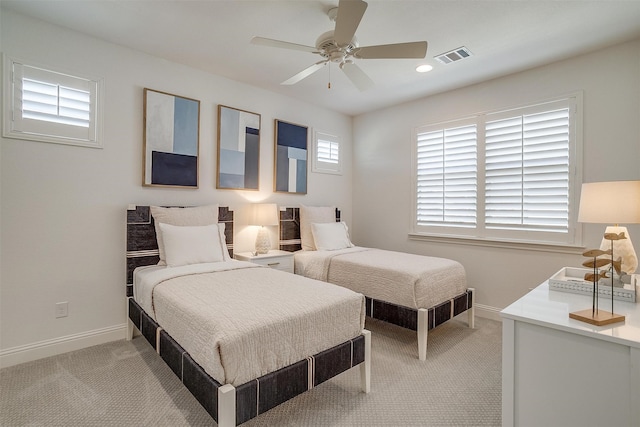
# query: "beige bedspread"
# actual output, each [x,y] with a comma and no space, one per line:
[409,280]
[244,321]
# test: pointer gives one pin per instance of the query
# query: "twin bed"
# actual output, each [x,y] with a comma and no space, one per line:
[244,338]
[412,291]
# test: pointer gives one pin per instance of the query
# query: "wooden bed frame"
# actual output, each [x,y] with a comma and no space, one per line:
[229,405]
[420,320]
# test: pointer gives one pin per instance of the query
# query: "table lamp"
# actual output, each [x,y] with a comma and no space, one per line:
[612,202]
[263,214]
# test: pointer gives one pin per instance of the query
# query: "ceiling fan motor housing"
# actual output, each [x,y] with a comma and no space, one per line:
[328,48]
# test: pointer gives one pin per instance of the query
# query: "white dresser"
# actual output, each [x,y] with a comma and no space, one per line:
[557,371]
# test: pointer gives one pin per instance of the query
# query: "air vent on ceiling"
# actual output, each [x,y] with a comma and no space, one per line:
[453,55]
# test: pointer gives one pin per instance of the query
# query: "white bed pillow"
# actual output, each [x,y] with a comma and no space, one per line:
[196,216]
[310,215]
[331,236]
[186,245]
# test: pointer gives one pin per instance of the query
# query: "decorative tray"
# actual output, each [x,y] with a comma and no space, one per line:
[570,279]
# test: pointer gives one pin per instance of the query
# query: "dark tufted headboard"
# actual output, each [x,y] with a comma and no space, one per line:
[142,247]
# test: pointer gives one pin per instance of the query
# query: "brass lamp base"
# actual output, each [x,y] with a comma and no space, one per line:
[599,318]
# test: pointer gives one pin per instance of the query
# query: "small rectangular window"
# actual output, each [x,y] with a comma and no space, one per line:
[326,154]
[49,106]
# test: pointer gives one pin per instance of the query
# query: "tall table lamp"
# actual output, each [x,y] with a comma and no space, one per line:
[264,214]
[613,202]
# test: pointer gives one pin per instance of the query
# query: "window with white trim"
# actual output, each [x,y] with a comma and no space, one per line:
[505,176]
[326,155]
[49,106]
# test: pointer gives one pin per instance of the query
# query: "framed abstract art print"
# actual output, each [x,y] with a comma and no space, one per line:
[291,148]
[238,149]
[171,140]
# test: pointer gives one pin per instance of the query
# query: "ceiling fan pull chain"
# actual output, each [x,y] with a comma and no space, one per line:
[329,84]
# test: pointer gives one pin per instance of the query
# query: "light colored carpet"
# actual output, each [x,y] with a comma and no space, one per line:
[127,384]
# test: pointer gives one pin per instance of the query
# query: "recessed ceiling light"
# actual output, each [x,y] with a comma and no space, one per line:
[424,68]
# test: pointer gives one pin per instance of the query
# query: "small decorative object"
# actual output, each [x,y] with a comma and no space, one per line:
[290,158]
[238,149]
[595,316]
[171,139]
[264,214]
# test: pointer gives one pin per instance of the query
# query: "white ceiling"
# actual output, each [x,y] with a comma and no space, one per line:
[214,35]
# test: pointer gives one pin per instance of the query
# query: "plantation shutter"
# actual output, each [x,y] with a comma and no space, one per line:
[55,103]
[53,107]
[527,172]
[447,177]
[328,151]
[326,156]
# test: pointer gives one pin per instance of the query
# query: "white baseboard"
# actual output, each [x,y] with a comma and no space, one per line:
[27,353]
[488,312]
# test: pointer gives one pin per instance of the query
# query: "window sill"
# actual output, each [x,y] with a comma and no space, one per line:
[503,244]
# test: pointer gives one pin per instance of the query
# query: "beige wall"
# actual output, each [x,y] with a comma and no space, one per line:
[382,183]
[63,207]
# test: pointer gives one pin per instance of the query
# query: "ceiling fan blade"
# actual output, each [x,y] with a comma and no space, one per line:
[398,50]
[284,45]
[304,73]
[350,14]
[357,76]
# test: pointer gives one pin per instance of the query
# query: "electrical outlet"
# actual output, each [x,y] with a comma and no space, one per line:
[62,309]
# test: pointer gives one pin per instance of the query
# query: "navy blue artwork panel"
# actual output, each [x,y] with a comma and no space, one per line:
[291,158]
[174,169]
[291,135]
[252,159]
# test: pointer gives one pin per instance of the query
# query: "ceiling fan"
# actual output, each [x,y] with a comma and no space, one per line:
[341,46]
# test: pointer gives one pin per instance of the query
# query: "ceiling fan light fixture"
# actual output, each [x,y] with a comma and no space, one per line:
[424,68]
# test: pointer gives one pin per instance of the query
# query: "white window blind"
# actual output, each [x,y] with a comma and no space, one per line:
[507,176]
[50,106]
[447,177]
[328,151]
[326,156]
[55,103]
[527,172]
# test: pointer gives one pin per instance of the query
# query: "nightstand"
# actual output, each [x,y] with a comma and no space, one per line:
[280,260]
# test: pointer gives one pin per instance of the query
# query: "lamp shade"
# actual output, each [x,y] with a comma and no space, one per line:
[612,202]
[264,214]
